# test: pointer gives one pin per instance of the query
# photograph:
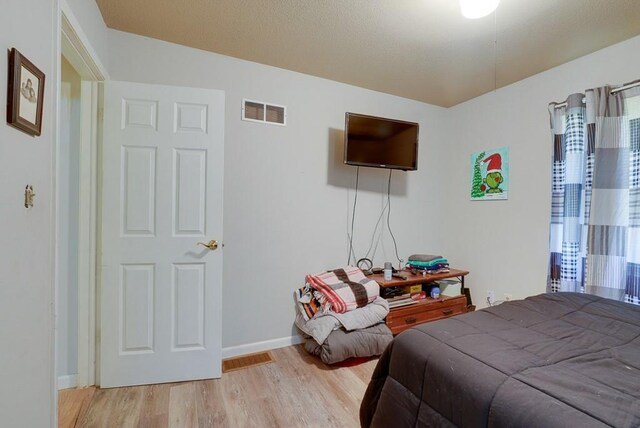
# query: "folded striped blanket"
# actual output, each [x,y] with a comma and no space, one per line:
[307,304]
[344,289]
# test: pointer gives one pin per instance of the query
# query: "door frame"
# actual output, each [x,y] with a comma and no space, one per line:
[75,47]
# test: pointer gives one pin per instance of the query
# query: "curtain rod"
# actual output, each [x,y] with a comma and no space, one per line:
[613,91]
[625,87]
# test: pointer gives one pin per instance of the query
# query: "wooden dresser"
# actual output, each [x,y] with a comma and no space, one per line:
[402,318]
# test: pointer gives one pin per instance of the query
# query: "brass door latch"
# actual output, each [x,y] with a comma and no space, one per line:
[29,195]
[212,245]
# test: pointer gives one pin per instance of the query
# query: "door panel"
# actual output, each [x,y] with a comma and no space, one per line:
[137,283]
[190,168]
[188,306]
[138,194]
[161,294]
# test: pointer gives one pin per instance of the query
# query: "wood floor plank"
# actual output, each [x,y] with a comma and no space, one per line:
[365,370]
[296,390]
[73,404]
[115,407]
[101,406]
[155,405]
[182,406]
[335,385]
[309,377]
[86,403]
[209,404]
[241,395]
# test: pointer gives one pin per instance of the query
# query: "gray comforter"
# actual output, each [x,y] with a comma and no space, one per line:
[342,344]
[553,360]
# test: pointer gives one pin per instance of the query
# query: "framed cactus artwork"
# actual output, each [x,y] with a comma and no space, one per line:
[490,175]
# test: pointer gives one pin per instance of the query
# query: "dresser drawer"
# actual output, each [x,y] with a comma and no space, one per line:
[400,319]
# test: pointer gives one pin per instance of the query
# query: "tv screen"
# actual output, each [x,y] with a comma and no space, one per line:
[379,142]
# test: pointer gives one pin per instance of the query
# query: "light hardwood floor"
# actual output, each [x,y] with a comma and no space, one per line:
[297,390]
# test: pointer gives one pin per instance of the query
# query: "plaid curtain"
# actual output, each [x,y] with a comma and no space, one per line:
[595,208]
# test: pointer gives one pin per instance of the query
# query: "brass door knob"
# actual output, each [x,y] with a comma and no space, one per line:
[212,245]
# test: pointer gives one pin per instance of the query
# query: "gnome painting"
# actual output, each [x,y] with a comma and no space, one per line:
[490,174]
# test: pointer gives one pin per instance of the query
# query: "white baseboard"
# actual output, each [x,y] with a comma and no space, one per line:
[68,381]
[267,345]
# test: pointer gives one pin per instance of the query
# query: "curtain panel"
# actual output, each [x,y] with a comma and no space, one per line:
[595,209]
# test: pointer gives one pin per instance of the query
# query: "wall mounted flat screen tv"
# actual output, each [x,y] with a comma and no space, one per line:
[381,143]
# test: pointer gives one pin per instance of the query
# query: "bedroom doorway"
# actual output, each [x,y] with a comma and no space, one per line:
[67,216]
[191,182]
[75,213]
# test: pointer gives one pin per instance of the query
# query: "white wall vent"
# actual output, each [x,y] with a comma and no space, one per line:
[258,111]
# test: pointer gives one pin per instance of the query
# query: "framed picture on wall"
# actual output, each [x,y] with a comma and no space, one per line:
[25,94]
[490,175]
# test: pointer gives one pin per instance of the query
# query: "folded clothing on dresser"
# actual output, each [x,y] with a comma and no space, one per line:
[428,263]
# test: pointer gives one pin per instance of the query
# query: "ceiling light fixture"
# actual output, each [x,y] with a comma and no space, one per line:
[474,9]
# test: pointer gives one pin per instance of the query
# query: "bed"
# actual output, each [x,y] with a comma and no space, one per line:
[553,360]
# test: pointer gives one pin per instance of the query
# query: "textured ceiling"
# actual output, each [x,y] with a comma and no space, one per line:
[419,49]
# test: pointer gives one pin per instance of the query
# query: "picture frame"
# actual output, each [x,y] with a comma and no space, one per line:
[25,94]
[490,175]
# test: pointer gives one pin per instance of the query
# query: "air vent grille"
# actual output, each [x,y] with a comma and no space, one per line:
[258,111]
[253,111]
[245,361]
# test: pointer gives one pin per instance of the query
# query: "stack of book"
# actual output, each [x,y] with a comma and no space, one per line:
[401,300]
[406,299]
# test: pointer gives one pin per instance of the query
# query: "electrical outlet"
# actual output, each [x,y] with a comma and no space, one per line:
[491,297]
[508,296]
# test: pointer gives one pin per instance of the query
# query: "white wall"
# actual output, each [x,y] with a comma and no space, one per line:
[505,243]
[67,218]
[287,198]
[26,321]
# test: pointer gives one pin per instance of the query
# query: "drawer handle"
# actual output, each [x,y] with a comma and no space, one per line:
[410,320]
[447,312]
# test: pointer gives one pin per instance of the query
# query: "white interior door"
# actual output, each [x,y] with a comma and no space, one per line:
[162,163]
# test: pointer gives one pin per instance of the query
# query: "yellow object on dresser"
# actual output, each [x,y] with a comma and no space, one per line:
[416,288]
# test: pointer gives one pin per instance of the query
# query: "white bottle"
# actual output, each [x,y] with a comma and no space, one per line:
[388,271]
